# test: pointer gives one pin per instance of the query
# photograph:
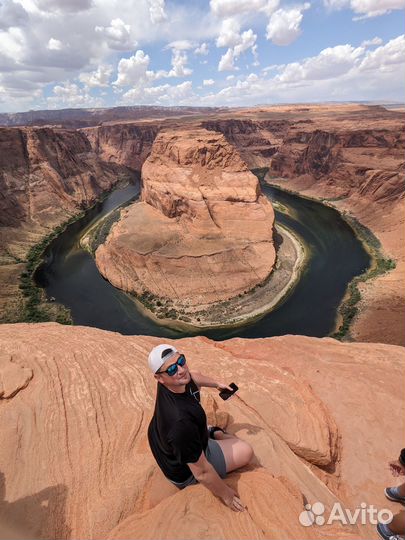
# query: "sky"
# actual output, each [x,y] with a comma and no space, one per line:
[103,53]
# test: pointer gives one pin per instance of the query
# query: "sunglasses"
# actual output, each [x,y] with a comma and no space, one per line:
[172,369]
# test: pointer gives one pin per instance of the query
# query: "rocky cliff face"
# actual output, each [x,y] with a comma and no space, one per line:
[46,176]
[256,140]
[361,172]
[47,173]
[352,156]
[203,231]
[75,404]
[126,144]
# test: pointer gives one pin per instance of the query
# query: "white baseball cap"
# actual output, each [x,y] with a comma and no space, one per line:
[159,354]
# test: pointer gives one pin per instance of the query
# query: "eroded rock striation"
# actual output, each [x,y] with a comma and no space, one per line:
[351,155]
[47,175]
[203,231]
[75,461]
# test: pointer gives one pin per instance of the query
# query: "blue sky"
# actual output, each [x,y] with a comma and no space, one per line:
[103,53]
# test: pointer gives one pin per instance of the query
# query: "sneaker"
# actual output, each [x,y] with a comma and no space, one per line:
[385,533]
[392,495]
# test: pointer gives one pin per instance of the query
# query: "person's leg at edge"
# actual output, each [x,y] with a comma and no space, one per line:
[237,453]
[397,525]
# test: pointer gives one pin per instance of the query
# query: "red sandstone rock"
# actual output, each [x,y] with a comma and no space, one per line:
[350,152]
[46,176]
[203,231]
[75,462]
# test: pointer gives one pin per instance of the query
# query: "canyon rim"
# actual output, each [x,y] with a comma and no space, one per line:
[225,177]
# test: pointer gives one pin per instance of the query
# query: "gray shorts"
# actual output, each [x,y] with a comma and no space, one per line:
[215,456]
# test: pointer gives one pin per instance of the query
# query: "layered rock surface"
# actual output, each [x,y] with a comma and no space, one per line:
[202,233]
[75,404]
[351,154]
[46,176]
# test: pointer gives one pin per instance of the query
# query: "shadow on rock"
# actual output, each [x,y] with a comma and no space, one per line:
[36,516]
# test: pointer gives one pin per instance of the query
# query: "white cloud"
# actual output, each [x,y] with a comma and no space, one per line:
[118,35]
[255,56]
[54,45]
[208,82]
[247,41]
[329,64]
[165,94]
[226,62]
[132,70]
[372,42]
[336,73]
[366,8]
[72,95]
[229,34]
[13,44]
[284,25]
[157,11]
[236,42]
[179,61]
[229,8]
[202,50]
[99,77]
[386,58]
[181,45]
[31,58]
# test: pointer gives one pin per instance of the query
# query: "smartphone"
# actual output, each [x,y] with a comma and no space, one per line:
[226,394]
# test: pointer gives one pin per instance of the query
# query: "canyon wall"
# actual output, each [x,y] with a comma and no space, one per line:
[47,175]
[75,404]
[127,144]
[203,231]
[360,172]
[350,155]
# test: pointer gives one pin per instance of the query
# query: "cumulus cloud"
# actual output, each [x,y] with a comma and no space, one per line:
[328,64]
[229,33]
[372,42]
[208,82]
[157,11]
[98,78]
[386,58]
[202,49]
[366,8]
[284,25]
[164,94]
[71,95]
[117,35]
[226,62]
[343,72]
[132,70]
[13,44]
[54,45]
[179,65]
[236,42]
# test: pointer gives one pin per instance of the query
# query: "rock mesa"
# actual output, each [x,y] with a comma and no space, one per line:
[202,232]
